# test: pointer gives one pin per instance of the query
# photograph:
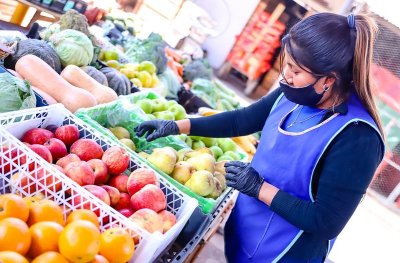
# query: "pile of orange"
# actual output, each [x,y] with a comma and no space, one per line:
[34,230]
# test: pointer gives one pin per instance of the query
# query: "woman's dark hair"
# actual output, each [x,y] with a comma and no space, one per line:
[326,45]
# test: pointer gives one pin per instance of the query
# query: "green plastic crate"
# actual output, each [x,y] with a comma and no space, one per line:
[129,116]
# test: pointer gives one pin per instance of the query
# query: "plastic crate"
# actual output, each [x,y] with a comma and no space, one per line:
[189,241]
[16,123]
[208,205]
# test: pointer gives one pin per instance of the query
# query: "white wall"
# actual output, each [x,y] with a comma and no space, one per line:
[234,12]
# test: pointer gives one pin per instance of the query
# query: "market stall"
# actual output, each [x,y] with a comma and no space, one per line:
[70,103]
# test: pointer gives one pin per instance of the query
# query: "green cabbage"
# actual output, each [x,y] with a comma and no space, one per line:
[15,94]
[150,49]
[72,47]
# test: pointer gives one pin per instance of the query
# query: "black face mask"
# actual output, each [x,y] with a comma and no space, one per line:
[306,96]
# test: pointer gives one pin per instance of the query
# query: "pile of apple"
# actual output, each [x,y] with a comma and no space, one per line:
[162,109]
[196,169]
[223,148]
[104,174]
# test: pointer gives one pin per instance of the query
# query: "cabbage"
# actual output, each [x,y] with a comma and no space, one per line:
[72,47]
[15,94]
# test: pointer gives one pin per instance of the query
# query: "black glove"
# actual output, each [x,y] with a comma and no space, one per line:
[156,129]
[244,178]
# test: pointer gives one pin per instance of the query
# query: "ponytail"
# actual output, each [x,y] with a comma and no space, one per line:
[366,30]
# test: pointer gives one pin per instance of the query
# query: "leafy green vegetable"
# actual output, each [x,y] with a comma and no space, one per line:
[170,81]
[150,49]
[15,94]
[72,19]
[46,33]
[199,68]
[72,47]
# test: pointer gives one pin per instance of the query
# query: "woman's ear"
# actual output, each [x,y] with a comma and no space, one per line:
[330,80]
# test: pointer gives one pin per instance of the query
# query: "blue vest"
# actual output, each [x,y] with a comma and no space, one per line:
[286,160]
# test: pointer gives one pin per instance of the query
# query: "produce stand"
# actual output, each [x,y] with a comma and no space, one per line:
[198,217]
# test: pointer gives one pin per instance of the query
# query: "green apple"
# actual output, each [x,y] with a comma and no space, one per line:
[220,141]
[129,143]
[182,136]
[158,105]
[178,111]
[196,138]
[225,157]
[235,156]
[170,103]
[217,151]
[209,141]
[189,141]
[165,115]
[145,105]
[151,116]
[197,145]
[228,145]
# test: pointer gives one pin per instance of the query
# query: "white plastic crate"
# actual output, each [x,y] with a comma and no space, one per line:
[15,124]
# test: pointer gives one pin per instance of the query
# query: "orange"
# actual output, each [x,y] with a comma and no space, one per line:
[116,245]
[50,257]
[83,214]
[13,206]
[12,257]
[99,259]
[45,210]
[14,235]
[80,241]
[45,237]
[32,199]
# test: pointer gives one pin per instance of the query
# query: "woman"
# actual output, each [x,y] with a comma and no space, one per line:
[321,144]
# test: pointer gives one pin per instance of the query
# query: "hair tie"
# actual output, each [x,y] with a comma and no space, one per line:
[351,20]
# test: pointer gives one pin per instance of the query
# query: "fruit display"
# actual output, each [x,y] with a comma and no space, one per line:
[162,109]
[196,169]
[43,238]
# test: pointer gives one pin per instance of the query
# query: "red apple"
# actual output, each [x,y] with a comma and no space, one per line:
[56,147]
[80,202]
[86,149]
[68,134]
[42,151]
[59,168]
[67,159]
[127,212]
[117,160]
[150,197]
[99,192]
[100,171]
[120,182]
[10,154]
[140,178]
[168,218]
[124,202]
[113,193]
[80,172]
[37,136]
[48,180]
[148,220]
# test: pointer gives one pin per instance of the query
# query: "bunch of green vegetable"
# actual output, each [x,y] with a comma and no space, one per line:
[150,49]
[199,68]
[15,94]
[216,94]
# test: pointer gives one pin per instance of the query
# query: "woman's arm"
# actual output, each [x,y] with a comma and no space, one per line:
[347,169]
[232,123]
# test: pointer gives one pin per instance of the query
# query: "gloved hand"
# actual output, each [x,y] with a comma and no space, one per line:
[244,178]
[156,129]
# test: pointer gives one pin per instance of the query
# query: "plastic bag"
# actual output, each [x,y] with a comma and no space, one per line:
[123,113]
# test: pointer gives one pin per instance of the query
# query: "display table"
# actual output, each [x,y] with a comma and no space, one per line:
[22,9]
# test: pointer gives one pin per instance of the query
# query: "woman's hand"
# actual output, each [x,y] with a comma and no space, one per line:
[156,129]
[244,178]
